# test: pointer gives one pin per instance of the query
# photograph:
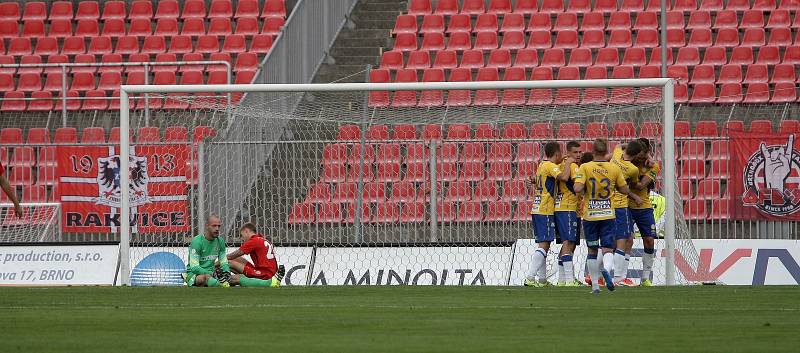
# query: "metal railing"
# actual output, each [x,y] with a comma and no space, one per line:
[147,66]
[297,52]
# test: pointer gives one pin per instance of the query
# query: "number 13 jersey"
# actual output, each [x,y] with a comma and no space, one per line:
[600,180]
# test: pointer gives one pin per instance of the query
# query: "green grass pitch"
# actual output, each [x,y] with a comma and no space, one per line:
[399,319]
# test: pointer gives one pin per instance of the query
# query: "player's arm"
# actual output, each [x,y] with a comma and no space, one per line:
[649,177]
[235,254]
[194,260]
[580,180]
[565,174]
[223,257]
[11,193]
[622,187]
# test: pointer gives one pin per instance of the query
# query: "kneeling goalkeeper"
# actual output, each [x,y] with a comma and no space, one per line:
[264,271]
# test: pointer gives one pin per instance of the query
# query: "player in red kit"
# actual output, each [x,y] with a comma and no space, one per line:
[9,191]
[264,270]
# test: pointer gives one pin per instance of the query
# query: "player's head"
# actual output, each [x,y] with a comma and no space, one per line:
[552,150]
[600,149]
[212,226]
[574,150]
[634,149]
[247,230]
[586,157]
[647,149]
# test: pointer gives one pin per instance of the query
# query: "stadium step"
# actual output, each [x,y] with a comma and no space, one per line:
[396,6]
[355,51]
[362,33]
[357,60]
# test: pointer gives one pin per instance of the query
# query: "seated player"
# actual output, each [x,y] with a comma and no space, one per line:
[566,217]
[9,191]
[204,251]
[264,271]
[597,181]
[542,210]
[623,158]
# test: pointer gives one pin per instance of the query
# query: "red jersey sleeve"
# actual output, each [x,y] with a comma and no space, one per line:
[249,246]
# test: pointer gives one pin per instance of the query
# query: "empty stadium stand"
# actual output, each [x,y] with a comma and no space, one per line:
[129,31]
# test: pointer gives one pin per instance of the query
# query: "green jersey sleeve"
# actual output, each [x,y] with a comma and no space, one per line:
[223,256]
[195,248]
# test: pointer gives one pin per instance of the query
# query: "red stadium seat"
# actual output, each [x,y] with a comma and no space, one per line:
[301,213]
[761,127]
[419,7]
[682,129]
[757,93]
[82,81]
[525,7]
[779,19]
[527,152]
[459,191]
[140,27]
[274,8]
[784,92]
[647,38]
[754,37]
[193,9]
[719,169]
[566,39]
[100,103]
[90,10]
[607,57]
[619,20]
[695,210]
[405,24]
[514,190]
[700,38]
[566,22]
[706,128]
[61,10]
[247,26]
[552,6]
[720,209]
[726,19]
[111,10]
[703,74]
[486,22]
[593,39]
[553,58]
[621,38]
[29,82]
[541,131]
[220,9]
[763,5]
[34,10]
[9,11]
[727,37]
[693,169]
[719,151]
[699,20]
[30,60]
[329,213]
[579,6]
[646,20]
[13,101]
[6,82]
[594,21]
[33,28]
[273,25]
[650,129]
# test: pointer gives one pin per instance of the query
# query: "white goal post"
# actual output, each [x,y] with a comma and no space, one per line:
[666,85]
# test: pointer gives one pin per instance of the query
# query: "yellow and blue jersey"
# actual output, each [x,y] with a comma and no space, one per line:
[600,180]
[644,194]
[566,200]
[546,184]
[629,171]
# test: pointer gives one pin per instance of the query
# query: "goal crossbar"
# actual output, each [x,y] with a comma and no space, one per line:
[668,132]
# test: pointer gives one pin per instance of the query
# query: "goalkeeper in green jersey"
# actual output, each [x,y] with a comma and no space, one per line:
[204,251]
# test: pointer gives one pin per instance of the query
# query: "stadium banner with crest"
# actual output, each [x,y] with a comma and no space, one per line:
[89,188]
[764,179]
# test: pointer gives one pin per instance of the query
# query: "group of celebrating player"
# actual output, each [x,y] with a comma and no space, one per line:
[210,265]
[603,194]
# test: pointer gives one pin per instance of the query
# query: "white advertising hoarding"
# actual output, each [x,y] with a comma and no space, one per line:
[412,266]
[163,266]
[58,265]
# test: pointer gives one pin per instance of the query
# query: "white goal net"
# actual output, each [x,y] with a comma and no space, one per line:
[389,183]
[40,222]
